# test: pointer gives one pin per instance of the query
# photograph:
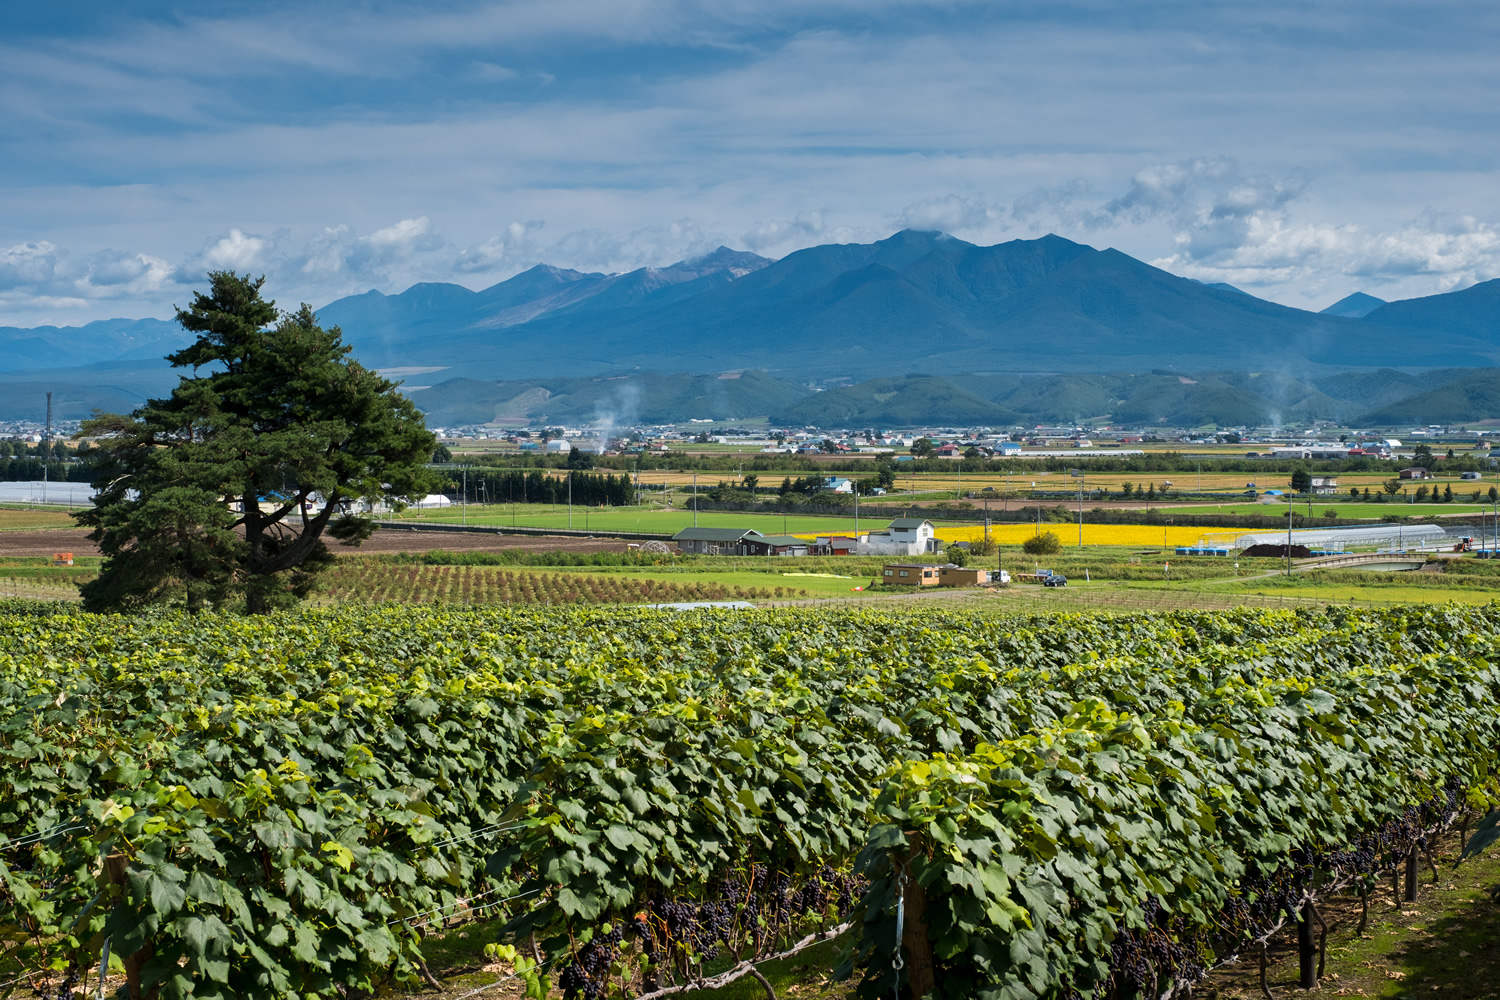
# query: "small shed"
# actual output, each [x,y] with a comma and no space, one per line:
[776,545]
[1416,472]
[910,574]
[962,576]
[716,541]
[834,545]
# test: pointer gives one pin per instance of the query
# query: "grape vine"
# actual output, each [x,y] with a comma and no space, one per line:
[279,805]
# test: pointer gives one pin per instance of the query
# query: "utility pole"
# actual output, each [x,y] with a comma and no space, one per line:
[465,499]
[46,447]
[1288,532]
[570,499]
[1081,479]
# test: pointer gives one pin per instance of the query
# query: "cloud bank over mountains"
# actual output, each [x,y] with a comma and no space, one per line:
[1299,153]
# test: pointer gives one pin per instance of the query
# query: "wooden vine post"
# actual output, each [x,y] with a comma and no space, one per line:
[1412,861]
[114,870]
[1307,948]
[915,946]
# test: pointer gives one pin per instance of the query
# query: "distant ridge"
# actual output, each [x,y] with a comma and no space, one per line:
[1207,399]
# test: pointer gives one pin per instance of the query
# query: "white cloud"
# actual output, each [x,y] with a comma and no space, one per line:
[1449,253]
[111,273]
[951,214]
[493,72]
[804,229]
[235,252]
[511,249]
[337,260]
[27,265]
[406,233]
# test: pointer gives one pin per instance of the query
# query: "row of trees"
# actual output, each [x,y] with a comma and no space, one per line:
[22,449]
[21,470]
[590,489]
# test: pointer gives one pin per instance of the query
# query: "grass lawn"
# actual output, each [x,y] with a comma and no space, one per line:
[32,518]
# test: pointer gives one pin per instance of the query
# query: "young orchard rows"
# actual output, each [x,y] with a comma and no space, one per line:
[1047,807]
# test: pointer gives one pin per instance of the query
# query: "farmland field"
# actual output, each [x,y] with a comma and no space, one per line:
[658,521]
[643,519]
[1342,508]
[369,581]
[286,802]
[1093,534]
[1021,481]
[31,519]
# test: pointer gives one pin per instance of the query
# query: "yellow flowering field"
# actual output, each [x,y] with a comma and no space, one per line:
[1093,534]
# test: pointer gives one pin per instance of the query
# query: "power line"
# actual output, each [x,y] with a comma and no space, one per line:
[459,905]
[485,831]
[45,835]
[18,979]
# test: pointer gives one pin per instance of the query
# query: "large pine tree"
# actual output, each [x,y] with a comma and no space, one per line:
[223,492]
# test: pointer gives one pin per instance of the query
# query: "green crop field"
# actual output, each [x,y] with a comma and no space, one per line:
[1341,508]
[643,519]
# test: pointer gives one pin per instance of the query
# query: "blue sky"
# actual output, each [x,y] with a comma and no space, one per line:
[1299,150]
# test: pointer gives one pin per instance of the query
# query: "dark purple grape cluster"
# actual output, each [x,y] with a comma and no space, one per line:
[733,911]
[1141,958]
[641,928]
[69,982]
[588,974]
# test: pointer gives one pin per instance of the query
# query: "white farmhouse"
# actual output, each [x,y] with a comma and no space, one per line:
[905,536]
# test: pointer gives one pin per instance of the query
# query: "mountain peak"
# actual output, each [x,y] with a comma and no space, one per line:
[920,236]
[1354,306]
[722,258]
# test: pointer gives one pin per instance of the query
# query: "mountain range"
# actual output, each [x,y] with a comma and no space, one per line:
[915,302]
